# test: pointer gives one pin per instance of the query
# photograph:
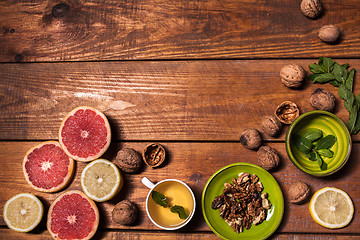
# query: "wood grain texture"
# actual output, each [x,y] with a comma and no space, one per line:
[155,100]
[149,235]
[77,30]
[192,163]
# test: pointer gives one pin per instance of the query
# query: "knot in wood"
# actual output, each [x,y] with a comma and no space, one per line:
[60,10]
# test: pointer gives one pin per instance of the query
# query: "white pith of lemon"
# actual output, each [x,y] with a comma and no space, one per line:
[101,180]
[331,208]
[23,212]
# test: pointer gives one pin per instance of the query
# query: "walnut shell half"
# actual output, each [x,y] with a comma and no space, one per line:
[287,112]
[154,155]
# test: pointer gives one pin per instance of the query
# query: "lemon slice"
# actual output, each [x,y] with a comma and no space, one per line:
[23,212]
[331,208]
[101,180]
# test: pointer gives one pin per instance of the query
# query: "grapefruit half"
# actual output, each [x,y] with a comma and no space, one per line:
[85,134]
[73,216]
[47,168]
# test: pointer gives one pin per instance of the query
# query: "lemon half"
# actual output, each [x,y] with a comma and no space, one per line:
[101,180]
[23,212]
[331,208]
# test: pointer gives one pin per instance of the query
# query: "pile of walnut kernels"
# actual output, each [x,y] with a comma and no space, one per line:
[242,203]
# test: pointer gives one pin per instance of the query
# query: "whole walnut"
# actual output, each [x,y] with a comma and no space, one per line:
[271,125]
[268,157]
[322,99]
[251,138]
[311,8]
[292,75]
[299,192]
[128,160]
[329,33]
[125,213]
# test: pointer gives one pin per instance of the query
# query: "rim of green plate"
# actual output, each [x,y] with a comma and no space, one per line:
[229,166]
[290,131]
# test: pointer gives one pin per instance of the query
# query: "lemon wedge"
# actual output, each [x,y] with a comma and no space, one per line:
[331,208]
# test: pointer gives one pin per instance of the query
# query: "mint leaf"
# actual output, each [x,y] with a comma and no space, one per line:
[347,96]
[312,134]
[340,73]
[312,156]
[320,161]
[326,142]
[315,68]
[326,153]
[159,199]
[323,78]
[350,80]
[180,210]
[326,63]
[303,144]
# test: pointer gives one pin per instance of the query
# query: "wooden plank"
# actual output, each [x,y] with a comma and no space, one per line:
[192,163]
[163,29]
[161,235]
[159,100]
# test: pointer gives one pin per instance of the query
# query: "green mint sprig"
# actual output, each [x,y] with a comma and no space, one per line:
[329,71]
[315,146]
[160,199]
[179,210]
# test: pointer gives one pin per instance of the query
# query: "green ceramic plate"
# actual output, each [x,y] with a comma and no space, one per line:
[215,186]
[330,124]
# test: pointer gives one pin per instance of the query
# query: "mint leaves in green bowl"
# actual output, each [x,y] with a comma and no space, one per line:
[318,143]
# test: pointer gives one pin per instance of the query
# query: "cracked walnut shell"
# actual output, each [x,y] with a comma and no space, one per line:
[287,112]
[154,155]
[292,75]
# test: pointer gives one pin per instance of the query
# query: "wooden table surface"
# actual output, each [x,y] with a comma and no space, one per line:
[190,75]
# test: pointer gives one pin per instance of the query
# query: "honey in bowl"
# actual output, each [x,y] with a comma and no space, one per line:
[176,194]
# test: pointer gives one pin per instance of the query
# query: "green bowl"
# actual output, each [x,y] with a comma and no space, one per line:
[330,125]
[214,187]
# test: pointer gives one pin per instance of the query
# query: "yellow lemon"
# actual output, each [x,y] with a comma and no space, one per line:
[101,180]
[331,208]
[23,212]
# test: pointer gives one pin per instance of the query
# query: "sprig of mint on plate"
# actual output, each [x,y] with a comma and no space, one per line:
[329,71]
[160,199]
[315,146]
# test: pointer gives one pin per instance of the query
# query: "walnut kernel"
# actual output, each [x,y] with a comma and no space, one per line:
[125,213]
[322,99]
[329,33]
[268,157]
[292,75]
[271,125]
[311,8]
[251,138]
[287,112]
[298,192]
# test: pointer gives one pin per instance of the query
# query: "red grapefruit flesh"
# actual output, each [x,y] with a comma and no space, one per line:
[47,168]
[85,134]
[73,216]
